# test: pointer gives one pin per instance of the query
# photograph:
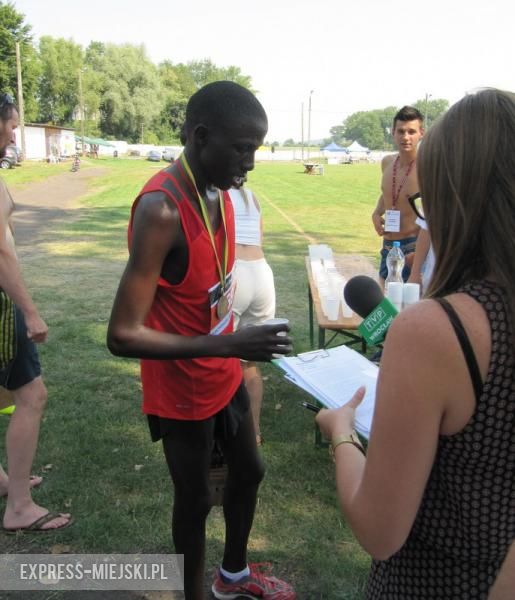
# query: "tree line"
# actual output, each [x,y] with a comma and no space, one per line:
[117,92]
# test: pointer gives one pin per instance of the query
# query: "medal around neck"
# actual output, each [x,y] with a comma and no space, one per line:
[222,308]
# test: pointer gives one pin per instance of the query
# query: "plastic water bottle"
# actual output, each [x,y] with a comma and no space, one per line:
[395,265]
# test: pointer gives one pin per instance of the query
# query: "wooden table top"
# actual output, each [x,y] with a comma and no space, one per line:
[347,265]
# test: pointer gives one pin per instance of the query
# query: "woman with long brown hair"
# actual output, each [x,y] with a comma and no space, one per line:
[433,501]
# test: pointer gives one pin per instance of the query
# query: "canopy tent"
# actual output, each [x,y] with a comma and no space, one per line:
[357,147]
[101,142]
[332,147]
[97,141]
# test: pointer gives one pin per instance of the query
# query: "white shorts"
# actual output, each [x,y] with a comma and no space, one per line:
[254,299]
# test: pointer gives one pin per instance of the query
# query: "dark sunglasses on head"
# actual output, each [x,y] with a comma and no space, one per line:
[5,100]
[415,201]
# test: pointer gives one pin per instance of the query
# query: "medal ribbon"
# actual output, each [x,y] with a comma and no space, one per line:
[207,223]
[396,193]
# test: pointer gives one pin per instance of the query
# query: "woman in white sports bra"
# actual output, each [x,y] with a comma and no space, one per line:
[254,300]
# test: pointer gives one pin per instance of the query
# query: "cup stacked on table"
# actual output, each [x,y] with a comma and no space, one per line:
[329,282]
[402,295]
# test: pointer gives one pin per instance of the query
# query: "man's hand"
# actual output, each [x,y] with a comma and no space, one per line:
[37,329]
[260,342]
[378,222]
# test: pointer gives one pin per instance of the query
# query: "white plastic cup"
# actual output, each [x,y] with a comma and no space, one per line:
[394,292]
[410,294]
[332,307]
[346,309]
[278,321]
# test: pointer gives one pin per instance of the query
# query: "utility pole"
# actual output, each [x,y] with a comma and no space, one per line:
[309,120]
[426,119]
[21,106]
[302,128]
[81,102]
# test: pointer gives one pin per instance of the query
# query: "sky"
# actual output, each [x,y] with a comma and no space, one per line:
[338,56]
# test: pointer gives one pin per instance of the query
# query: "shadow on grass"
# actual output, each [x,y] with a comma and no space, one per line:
[95,451]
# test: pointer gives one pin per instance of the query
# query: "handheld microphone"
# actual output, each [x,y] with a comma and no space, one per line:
[365,297]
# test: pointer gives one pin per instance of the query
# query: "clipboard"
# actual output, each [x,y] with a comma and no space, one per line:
[332,376]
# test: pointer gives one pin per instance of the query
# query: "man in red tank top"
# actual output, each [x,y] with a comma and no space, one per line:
[173,311]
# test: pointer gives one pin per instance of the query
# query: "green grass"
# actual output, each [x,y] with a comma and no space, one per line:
[93,433]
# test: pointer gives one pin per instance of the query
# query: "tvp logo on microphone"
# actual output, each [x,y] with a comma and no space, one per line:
[375,326]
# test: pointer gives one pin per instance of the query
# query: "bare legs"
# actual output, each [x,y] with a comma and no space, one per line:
[21,443]
[254,384]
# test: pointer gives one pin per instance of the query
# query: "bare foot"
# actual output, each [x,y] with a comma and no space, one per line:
[28,515]
[34,481]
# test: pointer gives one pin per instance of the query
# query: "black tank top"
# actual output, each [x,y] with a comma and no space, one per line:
[466,521]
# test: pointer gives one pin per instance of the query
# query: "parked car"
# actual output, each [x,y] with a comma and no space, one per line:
[19,155]
[12,157]
[169,154]
[154,156]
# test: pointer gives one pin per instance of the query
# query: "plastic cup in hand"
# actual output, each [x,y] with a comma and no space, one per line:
[278,321]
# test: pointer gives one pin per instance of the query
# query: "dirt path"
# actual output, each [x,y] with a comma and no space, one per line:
[39,208]
[41,205]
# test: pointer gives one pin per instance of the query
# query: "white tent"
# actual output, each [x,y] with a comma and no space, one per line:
[357,151]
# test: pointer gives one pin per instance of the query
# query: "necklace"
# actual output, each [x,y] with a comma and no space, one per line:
[396,192]
[222,307]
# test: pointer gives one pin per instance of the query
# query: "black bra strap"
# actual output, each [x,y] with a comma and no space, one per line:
[466,347]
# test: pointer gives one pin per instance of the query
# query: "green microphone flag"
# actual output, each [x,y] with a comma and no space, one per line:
[375,326]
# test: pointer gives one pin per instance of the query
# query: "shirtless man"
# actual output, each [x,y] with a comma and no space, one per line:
[393,217]
[22,376]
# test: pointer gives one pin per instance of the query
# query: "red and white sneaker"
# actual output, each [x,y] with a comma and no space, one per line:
[256,585]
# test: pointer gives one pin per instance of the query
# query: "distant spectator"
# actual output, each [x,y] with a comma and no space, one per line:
[393,217]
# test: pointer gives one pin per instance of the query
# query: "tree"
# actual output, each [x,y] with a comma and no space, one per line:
[366,128]
[431,109]
[177,86]
[373,128]
[205,71]
[337,134]
[61,60]
[178,83]
[12,30]
[131,92]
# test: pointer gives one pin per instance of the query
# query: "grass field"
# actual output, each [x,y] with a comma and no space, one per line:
[95,448]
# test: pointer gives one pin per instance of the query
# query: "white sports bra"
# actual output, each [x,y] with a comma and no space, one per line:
[247,217]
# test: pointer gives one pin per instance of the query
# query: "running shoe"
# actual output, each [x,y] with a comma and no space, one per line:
[256,585]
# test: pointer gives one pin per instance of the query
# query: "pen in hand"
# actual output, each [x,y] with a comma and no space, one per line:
[311,407]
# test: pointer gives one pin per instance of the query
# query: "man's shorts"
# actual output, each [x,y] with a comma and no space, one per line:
[25,366]
[407,246]
[254,299]
[227,420]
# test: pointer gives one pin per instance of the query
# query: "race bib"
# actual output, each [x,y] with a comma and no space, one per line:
[392,221]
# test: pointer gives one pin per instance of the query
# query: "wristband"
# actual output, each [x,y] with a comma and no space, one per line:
[346,438]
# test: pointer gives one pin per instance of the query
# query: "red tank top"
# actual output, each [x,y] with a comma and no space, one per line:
[197,388]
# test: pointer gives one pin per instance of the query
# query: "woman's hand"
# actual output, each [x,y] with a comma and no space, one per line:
[340,420]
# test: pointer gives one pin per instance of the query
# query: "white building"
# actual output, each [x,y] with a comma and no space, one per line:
[44,141]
